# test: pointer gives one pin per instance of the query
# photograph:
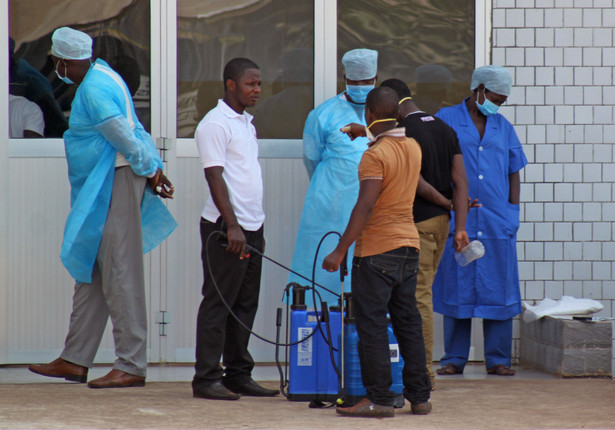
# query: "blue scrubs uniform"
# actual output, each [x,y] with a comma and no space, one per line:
[100,106]
[332,162]
[487,288]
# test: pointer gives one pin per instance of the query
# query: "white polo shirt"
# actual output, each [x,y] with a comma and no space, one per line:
[24,115]
[227,139]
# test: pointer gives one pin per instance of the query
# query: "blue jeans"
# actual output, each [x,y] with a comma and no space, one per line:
[381,284]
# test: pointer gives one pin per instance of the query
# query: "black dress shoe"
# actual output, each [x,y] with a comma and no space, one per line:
[215,391]
[250,388]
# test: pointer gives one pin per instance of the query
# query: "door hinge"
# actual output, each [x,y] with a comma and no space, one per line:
[162,319]
[163,144]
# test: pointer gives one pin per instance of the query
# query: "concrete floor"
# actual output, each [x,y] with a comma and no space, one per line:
[471,401]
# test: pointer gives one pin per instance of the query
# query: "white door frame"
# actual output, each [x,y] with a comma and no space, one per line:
[4,179]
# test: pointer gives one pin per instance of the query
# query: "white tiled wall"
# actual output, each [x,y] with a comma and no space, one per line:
[562,58]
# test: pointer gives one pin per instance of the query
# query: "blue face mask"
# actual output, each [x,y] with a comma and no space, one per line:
[64,79]
[488,107]
[358,93]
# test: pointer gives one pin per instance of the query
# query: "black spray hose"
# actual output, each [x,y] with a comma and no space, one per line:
[327,339]
[324,310]
[228,307]
[278,324]
[331,349]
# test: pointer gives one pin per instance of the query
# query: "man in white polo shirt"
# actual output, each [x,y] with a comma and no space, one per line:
[26,118]
[228,150]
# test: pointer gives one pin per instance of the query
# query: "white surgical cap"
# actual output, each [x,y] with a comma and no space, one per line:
[71,44]
[496,79]
[360,64]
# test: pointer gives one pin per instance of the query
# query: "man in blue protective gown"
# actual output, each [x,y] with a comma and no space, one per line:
[487,288]
[332,161]
[114,171]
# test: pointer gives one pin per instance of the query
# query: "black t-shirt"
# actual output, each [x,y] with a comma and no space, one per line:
[439,144]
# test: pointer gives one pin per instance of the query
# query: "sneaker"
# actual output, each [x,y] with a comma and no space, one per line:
[366,408]
[421,408]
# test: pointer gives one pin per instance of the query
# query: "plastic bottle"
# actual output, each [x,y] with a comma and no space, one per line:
[471,252]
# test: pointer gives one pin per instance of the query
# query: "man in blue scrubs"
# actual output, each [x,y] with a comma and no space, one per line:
[487,288]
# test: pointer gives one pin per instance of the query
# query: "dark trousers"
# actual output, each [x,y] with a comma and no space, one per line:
[218,333]
[381,284]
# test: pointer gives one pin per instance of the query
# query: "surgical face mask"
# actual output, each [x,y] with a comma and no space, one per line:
[358,93]
[488,107]
[369,133]
[64,79]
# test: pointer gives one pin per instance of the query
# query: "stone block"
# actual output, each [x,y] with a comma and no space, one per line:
[567,347]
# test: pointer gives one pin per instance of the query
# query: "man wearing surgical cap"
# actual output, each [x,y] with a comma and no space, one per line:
[487,288]
[115,173]
[332,161]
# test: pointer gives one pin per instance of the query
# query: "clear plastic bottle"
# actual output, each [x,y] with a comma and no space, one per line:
[469,253]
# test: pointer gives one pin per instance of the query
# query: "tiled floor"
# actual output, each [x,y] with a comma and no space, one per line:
[474,400]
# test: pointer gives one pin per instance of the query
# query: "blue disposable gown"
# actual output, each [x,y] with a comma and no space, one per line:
[489,287]
[332,162]
[100,106]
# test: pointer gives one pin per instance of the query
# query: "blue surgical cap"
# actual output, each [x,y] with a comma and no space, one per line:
[495,78]
[71,44]
[360,64]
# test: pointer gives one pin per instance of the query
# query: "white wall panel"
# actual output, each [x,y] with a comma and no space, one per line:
[285,184]
[40,288]
[39,297]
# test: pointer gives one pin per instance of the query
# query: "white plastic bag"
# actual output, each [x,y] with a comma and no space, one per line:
[565,306]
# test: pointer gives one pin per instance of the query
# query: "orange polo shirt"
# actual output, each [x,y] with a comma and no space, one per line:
[396,160]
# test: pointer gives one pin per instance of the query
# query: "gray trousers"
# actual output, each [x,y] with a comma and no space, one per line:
[118,286]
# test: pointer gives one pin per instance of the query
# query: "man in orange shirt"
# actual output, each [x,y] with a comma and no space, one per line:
[386,261]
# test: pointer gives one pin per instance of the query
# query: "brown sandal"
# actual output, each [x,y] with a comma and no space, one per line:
[501,370]
[449,369]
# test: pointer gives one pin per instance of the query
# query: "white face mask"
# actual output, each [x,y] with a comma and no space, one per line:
[370,135]
[368,132]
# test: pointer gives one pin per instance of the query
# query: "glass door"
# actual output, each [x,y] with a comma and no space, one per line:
[36,289]
[171,54]
[279,36]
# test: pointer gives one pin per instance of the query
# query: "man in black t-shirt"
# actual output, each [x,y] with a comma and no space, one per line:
[443,179]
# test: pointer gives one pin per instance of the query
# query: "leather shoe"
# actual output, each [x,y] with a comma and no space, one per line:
[250,388]
[60,368]
[365,408]
[215,391]
[420,408]
[117,379]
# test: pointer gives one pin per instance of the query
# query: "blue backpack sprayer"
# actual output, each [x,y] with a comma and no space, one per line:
[322,360]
